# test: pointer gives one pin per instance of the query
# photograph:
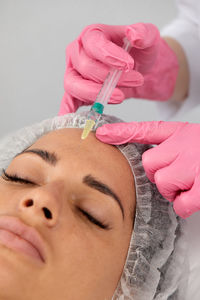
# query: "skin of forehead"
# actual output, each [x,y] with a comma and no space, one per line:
[103,160]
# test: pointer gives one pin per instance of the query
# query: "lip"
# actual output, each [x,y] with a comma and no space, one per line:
[16,235]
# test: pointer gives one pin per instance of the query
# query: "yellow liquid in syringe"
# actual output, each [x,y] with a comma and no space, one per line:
[88,127]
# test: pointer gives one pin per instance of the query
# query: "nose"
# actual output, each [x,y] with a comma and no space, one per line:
[43,203]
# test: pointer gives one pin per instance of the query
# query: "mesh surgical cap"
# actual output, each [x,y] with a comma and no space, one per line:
[156,265]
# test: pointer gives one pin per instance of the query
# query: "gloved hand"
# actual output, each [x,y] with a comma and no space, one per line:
[99,47]
[174,165]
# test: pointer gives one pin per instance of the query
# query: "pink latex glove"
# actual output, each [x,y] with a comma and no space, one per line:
[99,47]
[174,165]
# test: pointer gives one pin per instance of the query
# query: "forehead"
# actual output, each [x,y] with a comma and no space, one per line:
[89,155]
[67,143]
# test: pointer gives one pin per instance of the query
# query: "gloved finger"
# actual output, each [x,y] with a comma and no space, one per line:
[86,90]
[68,104]
[96,71]
[145,39]
[155,159]
[142,35]
[151,132]
[173,179]
[99,47]
[188,202]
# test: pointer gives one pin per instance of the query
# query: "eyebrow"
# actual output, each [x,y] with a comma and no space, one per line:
[52,159]
[92,182]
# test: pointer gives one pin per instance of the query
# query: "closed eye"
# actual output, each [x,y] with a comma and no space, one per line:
[93,220]
[15,178]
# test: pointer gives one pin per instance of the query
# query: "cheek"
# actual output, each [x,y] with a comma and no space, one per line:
[81,245]
[86,257]
[6,195]
[10,196]
[88,260]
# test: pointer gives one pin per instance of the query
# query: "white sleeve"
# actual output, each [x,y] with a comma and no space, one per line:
[186,30]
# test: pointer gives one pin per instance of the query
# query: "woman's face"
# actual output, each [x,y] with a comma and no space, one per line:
[84,259]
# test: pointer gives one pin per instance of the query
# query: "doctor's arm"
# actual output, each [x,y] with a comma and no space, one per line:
[184,30]
[182,81]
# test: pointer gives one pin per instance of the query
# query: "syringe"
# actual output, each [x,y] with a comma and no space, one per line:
[103,96]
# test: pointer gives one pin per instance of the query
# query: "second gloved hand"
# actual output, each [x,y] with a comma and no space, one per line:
[151,65]
[174,165]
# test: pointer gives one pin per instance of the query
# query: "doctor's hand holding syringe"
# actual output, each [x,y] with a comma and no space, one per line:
[157,70]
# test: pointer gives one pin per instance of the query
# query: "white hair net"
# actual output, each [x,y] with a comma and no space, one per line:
[156,264]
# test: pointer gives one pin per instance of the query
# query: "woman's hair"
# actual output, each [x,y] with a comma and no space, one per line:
[156,265]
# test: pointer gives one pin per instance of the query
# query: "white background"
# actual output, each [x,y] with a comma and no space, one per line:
[33,38]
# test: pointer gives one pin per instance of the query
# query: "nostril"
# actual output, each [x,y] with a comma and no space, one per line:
[47,213]
[29,202]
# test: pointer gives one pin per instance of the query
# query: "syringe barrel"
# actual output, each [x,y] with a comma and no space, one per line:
[111,80]
[108,86]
